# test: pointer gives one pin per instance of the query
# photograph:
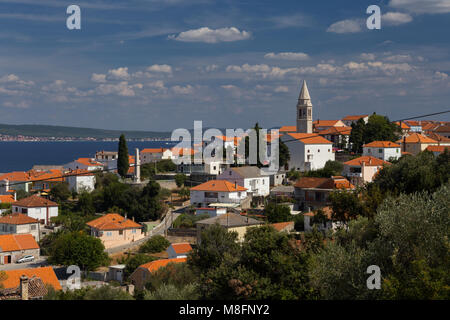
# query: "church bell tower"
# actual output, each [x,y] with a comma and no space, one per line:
[304,111]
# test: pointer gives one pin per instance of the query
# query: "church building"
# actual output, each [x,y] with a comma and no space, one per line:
[308,150]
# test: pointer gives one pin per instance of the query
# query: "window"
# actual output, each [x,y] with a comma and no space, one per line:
[369,150]
[397,150]
[230,172]
[33,227]
[109,234]
[308,150]
[329,150]
[318,150]
[24,210]
[120,232]
[380,150]
[133,231]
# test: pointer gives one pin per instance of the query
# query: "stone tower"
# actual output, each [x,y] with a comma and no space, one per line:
[304,111]
[137,167]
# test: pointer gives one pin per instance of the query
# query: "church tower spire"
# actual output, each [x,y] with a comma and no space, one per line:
[304,111]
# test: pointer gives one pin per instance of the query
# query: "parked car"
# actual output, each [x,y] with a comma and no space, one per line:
[27,258]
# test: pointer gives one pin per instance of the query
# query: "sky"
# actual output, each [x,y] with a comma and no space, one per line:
[158,65]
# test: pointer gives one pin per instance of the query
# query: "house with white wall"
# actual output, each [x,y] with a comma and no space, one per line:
[19,223]
[36,207]
[81,180]
[249,177]
[149,155]
[363,169]
[308,151]
[217,191]
[384,150]
[84,164]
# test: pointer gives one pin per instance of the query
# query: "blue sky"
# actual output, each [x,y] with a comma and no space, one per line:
[161,64]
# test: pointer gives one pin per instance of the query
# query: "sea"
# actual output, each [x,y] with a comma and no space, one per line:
[22,156]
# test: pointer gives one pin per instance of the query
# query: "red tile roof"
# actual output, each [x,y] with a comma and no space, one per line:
[309,138]
[155,265]
[88,162]
[16,176]
[17,242]
[288,129]
[219,186]
[336,131]
[181,248]
[7,199]
[325,123]
[350,118]
[382,144]
[282,225]
[153,150]
[368,161]
[323,183]
[46,274]
[113,221]
[443,128]
[417,138]
[17,218]
[35,202]
[440,149]
[438,137]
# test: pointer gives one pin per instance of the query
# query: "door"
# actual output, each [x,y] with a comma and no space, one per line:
[7,259]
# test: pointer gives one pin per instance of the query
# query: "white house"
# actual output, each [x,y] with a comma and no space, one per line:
[249,177]
[81,180]
[363,169]
[154,154]
[36,207]
[85,164]
[214,167]
[329,223]
[384,150]
[349,120]
[179,250]
[217,191]
[308,151]
[18,223]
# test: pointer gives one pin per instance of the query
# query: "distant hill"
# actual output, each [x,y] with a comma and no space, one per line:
[45,131]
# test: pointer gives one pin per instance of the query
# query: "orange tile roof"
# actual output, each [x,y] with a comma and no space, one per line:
[323,183]
[325,123]
[7,199]
[182,151]
[79,172]
[88,162]
[309,138]
[440,149]
[219,185]
[182,247]
[288,129]
[34,202]
[113,221]
[155,265]
[438,137]
[382,144]
[403,125]
[368,161]
[355,117]
[16,176]
[51,175]
[153,150]
[336,131]
[417,138]
[46,274]
[17,218]
[443,128]
[17,242]
[281,225]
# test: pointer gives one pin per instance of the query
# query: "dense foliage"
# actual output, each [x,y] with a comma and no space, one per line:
[154,245]
[123,162]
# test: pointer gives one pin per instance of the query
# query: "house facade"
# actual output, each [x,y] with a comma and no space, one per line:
[15,246]
[384,150]
[349,120]
[249,177]
[81,180]
[416,143]
[36,207]
[18,223]
[84,164]
[363,169]
[178,250]
[114,230]
[217,191]
[149,155]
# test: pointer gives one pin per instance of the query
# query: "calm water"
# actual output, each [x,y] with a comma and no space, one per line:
[22,156]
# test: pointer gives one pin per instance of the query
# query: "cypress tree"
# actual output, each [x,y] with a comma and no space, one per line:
[122,158]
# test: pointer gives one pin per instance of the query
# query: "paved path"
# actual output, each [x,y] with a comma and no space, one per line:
[40,262]
[159,229]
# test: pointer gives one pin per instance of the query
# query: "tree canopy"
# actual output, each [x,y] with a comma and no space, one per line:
[123,162]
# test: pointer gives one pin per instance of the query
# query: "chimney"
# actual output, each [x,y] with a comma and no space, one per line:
[24,287]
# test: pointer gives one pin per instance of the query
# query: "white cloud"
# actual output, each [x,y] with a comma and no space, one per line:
[183,90]
[367,56]
[399,58]
[100,78]
[422,6]
[440,75]
[281,89]
[55,86]
[162,68]
[208,35]
[346,26]
[19,105]
[287,56]
[119,73]
[211,68]
[157,85]
[395,18]
[14,79]
[122,89]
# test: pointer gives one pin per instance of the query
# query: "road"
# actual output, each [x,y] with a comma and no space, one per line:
[159,229]
[40,262]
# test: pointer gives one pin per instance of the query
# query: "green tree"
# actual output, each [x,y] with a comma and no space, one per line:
[284,155]
[346,205]
[172,292]
[3,277]
[180,179]
[85,204]
[105,292]
[122,158]
[133,262]
[154,245]
[278,213]
[176,274]
[60,192]
[77,248]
